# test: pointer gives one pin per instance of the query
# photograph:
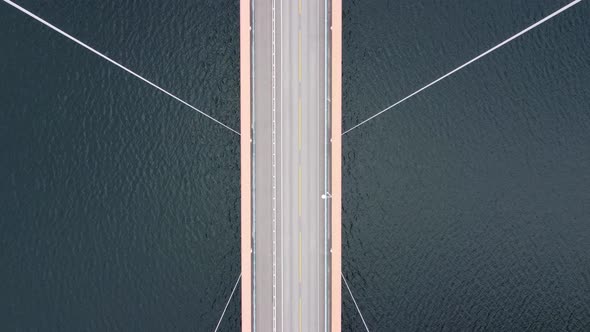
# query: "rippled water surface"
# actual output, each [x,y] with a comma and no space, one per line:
[465,208]
[120,206]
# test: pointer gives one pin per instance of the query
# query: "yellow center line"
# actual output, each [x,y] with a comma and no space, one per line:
[299,124]
[299,256]
[299,192]
[299,7]
[300,314]
[299,54]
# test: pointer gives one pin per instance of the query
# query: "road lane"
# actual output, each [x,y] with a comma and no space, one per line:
[299,121]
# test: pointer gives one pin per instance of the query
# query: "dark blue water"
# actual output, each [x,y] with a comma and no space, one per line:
[465,208]
[119,206]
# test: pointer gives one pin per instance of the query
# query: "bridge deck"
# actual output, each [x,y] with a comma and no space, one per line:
[286,281]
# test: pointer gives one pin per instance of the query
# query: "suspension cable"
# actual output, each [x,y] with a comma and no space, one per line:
[555,13]
[355,304]
[229,300]
[115,63]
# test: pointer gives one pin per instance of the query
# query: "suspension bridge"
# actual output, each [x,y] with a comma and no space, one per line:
[291,152]
[290,144]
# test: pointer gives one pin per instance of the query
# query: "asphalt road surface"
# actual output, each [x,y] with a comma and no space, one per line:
[288,91]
